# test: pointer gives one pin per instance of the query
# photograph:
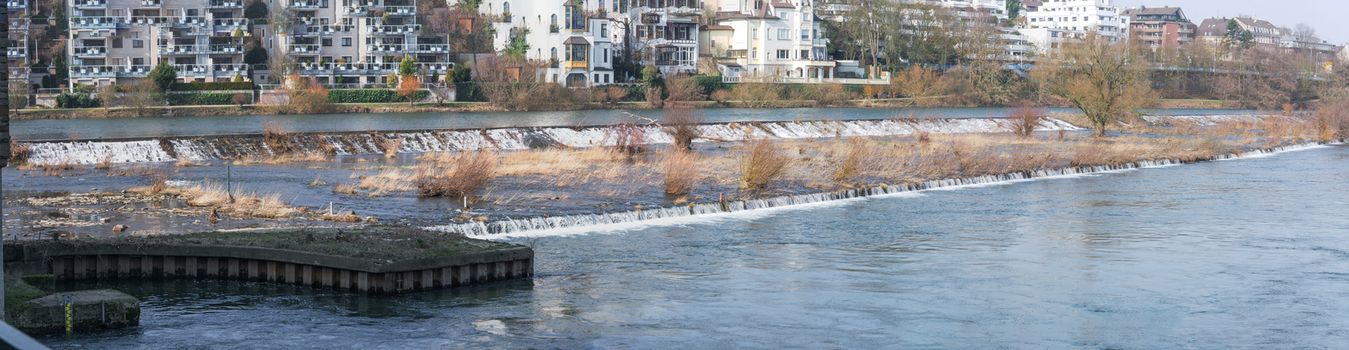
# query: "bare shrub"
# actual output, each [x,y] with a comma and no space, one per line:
[653,97]
[347,189]
[721,96]
[681,171]
[277,138]
[1025,119]
[681,88]
[756,94]
[390,146]
[105,163]
[19,152]
[763,162]
[856,156]
[682,124]
[629,138]
[453,174]
[1332,119]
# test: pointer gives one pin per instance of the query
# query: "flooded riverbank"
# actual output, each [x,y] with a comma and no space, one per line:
[1241,253]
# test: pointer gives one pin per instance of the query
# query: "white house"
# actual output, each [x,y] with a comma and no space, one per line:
[664,33]
[772,39]
[1052,20]
[570,36]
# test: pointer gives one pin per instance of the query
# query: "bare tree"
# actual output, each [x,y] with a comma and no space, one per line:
[1104,80]
[141,95]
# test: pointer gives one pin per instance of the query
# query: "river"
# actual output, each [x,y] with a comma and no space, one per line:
[1248,253]
[156,127]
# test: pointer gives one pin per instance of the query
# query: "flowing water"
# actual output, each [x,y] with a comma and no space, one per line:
[1246,253]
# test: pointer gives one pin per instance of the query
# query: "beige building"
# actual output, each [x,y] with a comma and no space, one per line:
[16,54]
[358,42]
[112,40]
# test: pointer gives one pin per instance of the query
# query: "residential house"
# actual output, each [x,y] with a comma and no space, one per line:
[661,33]
[114,40]
[1160,27]
[1054,20]
[358,42]
[572,37]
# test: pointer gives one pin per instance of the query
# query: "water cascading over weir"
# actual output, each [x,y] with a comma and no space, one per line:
[505,139]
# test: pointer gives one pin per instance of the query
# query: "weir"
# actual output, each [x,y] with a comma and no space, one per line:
[504,139]
[513,226]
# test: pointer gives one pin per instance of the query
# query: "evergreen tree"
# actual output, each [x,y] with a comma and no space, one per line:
[163,75]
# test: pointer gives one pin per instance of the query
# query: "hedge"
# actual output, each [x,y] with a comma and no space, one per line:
[372,96]
[76,100]
[709,83]
[468,91]
[212,86]
[201,99]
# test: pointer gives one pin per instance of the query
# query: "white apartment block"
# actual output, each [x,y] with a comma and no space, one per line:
[358,42]
[777,39]
[111,40]
[16,54]
[970,8]
[1053,19]
[569,36]
[664,32]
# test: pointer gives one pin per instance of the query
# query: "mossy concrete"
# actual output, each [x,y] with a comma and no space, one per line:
[90,310]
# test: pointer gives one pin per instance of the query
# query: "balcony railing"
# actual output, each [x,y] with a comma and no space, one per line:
[108,71]
[227,49]
[182,49]
[310,30]
[96,22]
[304,49]
[305,4]
[419,48]
[16,52]
[581,64]
[229,69]
[188,21]
[151,3]
[394,29]
[229,22]
[192,70]
[91,51]
[400,10]
[367,68]
[225,4]
[91,4]
[16,4]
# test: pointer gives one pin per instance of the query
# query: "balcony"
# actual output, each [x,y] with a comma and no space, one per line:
[400,10]
[432,48]
[581,64]
[305,4]
[228,25]
[192,70]
[314,30]
[225,4]
[109,71]
[180,50]
[15,52]
[188,21]
[304,49]
[367,69]
[403,29]
[228,49]
[91,4]
[386,48]
[152,3]
[226,70]
[91,51]
[96,22]
[13,5]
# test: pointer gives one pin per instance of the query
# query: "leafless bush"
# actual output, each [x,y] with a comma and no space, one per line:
[390,146]
[453,174]
[105,163]
[1025,119]
[763,162]
[682,88]
[856,157]
[1332,119]
[19,152]
[277,138]
[629,138]
[721,96]
[683,126]
[681,171]
[756,94]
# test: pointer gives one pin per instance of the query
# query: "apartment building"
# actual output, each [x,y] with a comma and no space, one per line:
[113,40]
[970,8]
[572,37]
[359,42]
[17,53]
[775,39]
[1052,19]
[663,33]
[1263,33]
[1160,27]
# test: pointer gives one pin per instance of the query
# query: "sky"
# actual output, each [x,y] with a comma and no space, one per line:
[1327,16]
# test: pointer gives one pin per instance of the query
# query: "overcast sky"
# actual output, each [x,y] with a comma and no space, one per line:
[1327,16]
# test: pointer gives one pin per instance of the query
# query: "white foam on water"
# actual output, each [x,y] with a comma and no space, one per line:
[757,208]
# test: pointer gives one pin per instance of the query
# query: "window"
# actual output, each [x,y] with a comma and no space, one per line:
[136,44]
[606,55]
[346,59]
[805,55]
[805,34]
[346,42]
[116,43]
[783,34]
[138,61]
[327,42]
[782,54]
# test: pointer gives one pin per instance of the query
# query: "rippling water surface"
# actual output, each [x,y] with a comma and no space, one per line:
[1250,253]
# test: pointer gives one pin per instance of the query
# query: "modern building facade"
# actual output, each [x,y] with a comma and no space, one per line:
[570,37]
[1160,27]
[1051,20]
[17,53]
[358,42]
[777,39]
[112,40]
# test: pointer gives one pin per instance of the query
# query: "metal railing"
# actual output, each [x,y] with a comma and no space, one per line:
[394,29]
[90,51]
[225,4]
[108,71]
[151,3]
[305,4]
[91,4]
[16,52]
[366,68]
[400,10]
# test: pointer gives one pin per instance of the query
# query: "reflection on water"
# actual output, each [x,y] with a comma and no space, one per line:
[1246,253]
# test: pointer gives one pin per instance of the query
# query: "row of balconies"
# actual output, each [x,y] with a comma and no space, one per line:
[227,49]
[14,5]
[372,9]
[305,4]
[90,4]
[408,48]
[312,30]
[152,3]
[183,70]
[225,4]
[110,22]
[366,68]
[16,52]
[90,51]
[394,29]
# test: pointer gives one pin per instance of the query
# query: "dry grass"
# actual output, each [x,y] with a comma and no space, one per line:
[212,195]
[184,163]
[345,189]
[390,147]
[629,139]
[763,162]
[277,138]
[104,164]
[294,157]
[858,154]
[385,182]
[681,172]
[19,152]
[57,169]
[453,174]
